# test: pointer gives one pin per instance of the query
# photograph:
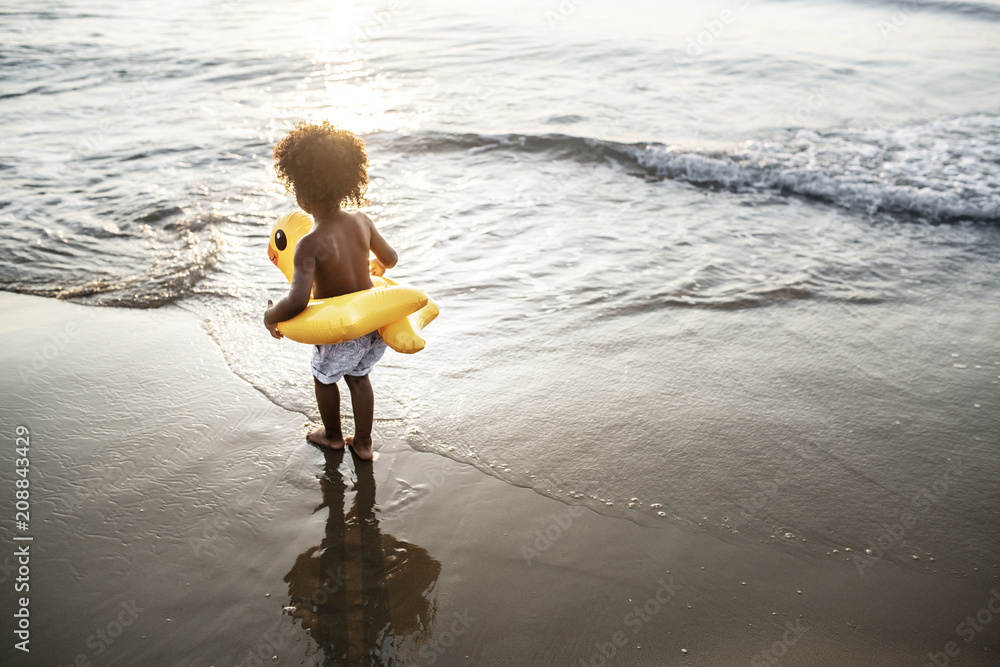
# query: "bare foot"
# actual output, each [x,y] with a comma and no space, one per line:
[363,449]
[319,437]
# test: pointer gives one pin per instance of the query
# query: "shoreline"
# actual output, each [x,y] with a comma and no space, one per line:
[179,492]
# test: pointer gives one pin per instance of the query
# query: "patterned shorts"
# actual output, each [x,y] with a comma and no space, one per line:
[352,357]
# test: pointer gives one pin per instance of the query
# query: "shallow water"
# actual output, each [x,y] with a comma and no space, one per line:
[715,258]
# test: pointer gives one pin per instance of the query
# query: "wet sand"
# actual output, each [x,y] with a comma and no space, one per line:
[175,512]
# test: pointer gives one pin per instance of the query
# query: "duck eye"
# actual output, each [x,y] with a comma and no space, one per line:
[280,242]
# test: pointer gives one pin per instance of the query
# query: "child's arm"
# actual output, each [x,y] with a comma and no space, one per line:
[298,295]
[385,256]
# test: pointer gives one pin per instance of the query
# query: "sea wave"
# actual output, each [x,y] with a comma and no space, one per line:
[174,272]
[940,171]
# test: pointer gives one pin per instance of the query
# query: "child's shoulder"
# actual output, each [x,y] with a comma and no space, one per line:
[361,221]
[344,229]
[360,216]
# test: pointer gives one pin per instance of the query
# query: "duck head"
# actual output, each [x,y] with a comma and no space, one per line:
[285,235]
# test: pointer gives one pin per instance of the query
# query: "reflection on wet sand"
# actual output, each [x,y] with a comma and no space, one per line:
[364,597]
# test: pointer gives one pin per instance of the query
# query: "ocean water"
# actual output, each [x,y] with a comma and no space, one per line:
[733,264]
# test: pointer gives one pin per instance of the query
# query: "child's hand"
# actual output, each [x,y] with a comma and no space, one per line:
[375,267]
[271,326]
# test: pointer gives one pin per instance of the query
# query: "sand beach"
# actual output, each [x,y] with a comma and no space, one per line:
[716,378]
[175,512]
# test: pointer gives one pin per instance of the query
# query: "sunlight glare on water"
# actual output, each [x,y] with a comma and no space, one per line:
[343,88]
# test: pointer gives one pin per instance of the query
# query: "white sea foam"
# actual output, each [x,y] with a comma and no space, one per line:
[942,170]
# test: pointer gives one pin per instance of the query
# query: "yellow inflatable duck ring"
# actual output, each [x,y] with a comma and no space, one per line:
[398,312]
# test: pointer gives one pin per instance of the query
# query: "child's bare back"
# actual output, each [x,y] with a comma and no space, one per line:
[340,243]
[325,168]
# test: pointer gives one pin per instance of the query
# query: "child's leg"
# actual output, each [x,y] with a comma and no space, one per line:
[363,402]
[328,400]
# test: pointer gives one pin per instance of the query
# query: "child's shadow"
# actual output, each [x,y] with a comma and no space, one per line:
[365,598]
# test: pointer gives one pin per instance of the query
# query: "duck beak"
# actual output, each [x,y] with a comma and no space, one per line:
[272,254]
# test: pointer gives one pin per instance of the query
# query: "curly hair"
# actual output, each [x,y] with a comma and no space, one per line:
[323,165]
